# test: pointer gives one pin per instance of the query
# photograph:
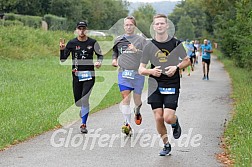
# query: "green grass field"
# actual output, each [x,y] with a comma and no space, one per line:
[35,88]
[238,134]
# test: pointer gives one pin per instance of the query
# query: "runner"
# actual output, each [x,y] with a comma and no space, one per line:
[82,49]
[164,81]
[127,52]
[189,51]
[197,45]
[206,50]
[193,55]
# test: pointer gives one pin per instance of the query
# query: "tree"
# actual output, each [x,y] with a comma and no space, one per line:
[144,16]
[26,7]
[100,15]
[231,26]
[104,14]
[185,28]
[192,8]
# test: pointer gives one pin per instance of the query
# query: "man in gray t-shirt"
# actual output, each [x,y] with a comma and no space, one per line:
[127,53]
[127,58]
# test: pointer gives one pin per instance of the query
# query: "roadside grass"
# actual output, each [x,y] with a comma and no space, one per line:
[34,87]
[238,134]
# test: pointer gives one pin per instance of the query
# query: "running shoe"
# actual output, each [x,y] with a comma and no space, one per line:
[83,128]
[166,150]
[126,129]
[176,130]
[138,119]
[138,116]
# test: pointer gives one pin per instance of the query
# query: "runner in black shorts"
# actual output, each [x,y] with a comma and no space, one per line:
[193,56]
[164,80]
[82,49]
[207,61]
[206,50]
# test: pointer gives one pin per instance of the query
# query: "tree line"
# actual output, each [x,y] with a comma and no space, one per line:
[99,14]
[228,22]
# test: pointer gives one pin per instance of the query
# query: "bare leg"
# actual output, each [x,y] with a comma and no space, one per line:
[169,116]
[158,113]
[137,99]
[204,72]
[208,65]
[126,97]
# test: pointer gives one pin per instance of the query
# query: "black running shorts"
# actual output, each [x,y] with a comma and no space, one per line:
[206,61]
[158,100]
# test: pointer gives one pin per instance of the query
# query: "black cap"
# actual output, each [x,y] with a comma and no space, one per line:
[82,24]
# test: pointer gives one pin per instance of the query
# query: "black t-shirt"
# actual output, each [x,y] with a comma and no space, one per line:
[82,53]
[164,54]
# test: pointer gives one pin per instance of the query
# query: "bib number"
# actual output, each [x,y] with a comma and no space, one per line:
[167,91]
[130,74]
[84,75]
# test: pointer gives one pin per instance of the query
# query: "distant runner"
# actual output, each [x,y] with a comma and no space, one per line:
[206,50]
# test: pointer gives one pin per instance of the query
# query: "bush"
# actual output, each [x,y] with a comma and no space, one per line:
[31,21]
[55,22]
[11,23]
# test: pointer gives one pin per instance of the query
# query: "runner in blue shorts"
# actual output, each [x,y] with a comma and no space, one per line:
[127,52]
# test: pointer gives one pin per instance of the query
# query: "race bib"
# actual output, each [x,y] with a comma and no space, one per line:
[84,75]
[128,74]
[167,91]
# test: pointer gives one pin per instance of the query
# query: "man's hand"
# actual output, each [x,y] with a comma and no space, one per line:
[62,44]
[170,71]
[132,47]
[97,64]
[114,63]
[156,71]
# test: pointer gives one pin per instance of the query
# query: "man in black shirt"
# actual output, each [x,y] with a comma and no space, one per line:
[82,49]
[164,79]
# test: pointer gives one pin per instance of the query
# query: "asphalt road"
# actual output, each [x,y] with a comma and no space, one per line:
[203,108]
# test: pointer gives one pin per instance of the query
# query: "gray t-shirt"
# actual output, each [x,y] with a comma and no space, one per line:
[128,59]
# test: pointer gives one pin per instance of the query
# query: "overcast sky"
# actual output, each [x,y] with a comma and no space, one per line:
[150,0]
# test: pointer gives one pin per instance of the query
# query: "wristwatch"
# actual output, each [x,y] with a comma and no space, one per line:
[177,67]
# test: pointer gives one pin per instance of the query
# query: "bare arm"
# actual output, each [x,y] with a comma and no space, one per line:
[114,62]
[185,63]
[170,71]
[209,51]
[144,71]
